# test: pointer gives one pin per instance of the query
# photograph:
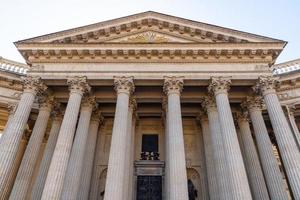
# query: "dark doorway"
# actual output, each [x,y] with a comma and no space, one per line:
[149,188]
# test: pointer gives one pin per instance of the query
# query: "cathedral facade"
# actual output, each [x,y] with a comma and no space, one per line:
[150,107]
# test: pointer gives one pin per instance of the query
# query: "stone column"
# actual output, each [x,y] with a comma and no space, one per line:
[57,170]
[10,141]
[130,148]
[95,182]
[217,148]
[49,150]
[177,163]
[209,158]
[13,173]
[167,171]
[86,175]
[269,163]
[11,110]
[288,148]
[236,170]
[255,174]
[115,180]
[75,165]
[204,190]
[30,157]
[291,110]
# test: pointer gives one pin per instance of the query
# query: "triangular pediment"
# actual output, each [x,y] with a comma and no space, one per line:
[149,27]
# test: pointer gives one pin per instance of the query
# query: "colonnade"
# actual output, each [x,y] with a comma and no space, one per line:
[231,175]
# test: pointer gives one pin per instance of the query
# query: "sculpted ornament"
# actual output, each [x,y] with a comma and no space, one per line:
[208,103]
[242,116]
[89,101]
[132,104]
[124,84]
[266,85]
[97,116]
[33,84]
[78,84]
[253,103]
[11,107]
[173,85]
[57,113]
[46,101]
[219,85]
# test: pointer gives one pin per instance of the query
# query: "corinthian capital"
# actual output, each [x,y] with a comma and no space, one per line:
[132,104]
[208,103]
[89,101]
[266,85]
[57,112]
[219,85]
[11,107]
[124,84]
[252,103]
[242,116]
[78,84]
[33,84]
[173,84]
[46,101]
[97,116]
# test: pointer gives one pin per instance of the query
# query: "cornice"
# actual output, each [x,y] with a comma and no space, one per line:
[160,52]
[149,19]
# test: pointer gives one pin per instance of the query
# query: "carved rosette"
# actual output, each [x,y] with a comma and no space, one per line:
[253,103]
[78,84]
[33,84]
[11,107]
[89,101]
[124,84]
[208,103]
[173,85]
[219,85]
[266,85]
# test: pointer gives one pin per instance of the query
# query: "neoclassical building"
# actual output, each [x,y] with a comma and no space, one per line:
[150,107]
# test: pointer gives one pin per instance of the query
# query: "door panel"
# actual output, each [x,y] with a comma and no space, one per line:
[149,188]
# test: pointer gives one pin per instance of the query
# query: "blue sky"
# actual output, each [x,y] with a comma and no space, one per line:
[21,19]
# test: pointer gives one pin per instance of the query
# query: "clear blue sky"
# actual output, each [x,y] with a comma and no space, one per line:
[21,19]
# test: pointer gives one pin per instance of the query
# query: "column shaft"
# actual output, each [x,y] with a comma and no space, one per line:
[236,170]
[115,180]
[210,162]
[86,174]
[45,163]
[218,152]
[95,182]
[13,173]
[10,141]
[30,157]
[130,151]
[177,163]
[203,169]
[288,148]
[269,163]
[75,164]
[255,174]
[57,170]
